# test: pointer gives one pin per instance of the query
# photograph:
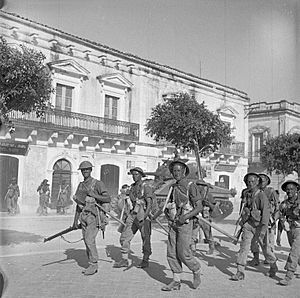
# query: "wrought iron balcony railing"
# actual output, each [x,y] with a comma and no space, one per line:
[80,123]
[237,148]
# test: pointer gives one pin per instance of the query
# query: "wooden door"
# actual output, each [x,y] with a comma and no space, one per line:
[110,177]
[61,176]
[9,167]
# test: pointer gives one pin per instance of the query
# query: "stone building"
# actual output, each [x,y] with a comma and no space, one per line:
[102,101]
[270,119]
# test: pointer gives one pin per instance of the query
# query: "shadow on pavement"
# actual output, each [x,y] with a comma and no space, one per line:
[225,260]
[155,270]
[113,252]
[78,255]
[9,237]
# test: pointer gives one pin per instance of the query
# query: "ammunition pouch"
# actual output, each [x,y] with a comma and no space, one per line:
[138,210]
[256,216]
[171,211]
[205,212]
[245,216]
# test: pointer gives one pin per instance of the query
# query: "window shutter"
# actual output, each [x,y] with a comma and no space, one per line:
[68,99]
[58,99]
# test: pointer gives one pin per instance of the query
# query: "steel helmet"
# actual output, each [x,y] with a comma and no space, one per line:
[85,165]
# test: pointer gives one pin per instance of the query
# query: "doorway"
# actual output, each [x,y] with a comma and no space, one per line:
[9,167]
[61,177]
[110,177]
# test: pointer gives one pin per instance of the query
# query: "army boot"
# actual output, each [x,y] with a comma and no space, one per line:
[240,275]
[255,260]
[196,279]
[273,270]
[211,249]
[144,263]
[92,269]
[288,279]
[173,286]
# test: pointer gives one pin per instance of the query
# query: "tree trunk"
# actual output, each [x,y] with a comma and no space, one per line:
[196,151]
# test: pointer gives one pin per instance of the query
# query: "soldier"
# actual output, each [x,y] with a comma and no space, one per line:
[44,193]
[255,218]
[137,218]
[89,193]
[209,204]
[184,204]
[62,201]
[11,197]
[120,200]
[290,220]
[274,210]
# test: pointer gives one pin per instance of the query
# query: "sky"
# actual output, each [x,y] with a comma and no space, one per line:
[250,45]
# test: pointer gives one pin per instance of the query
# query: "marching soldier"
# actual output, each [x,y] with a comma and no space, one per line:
[11,197]
[89,193]
[184,203]
[209,204]
[274,210]
[137,218]
[44,193]
[255,218]
[290,220]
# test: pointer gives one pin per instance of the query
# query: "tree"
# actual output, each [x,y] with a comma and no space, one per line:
[282,154]
[187,124]
[25,83]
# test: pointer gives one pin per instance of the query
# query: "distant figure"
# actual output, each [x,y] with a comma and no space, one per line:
[63,198]
[124,193]
[11,197]
[44,192]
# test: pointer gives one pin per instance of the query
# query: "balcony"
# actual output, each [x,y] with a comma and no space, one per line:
[78,123]
[237,148]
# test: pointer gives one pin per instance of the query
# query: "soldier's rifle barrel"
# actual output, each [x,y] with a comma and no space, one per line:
[233,238]
[111,215]
[61,233]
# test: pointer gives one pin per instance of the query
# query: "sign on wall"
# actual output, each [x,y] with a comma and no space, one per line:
[13,147]
[225,168]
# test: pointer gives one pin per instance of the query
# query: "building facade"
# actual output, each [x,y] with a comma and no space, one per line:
[270,120]
[102,101]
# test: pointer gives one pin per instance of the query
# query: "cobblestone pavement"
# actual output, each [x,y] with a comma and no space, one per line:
[53,269]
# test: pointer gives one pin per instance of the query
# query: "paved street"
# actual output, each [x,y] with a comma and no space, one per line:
[53,269]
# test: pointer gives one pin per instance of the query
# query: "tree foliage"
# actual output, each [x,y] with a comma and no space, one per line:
[25,83]
[282,154]
[180,119]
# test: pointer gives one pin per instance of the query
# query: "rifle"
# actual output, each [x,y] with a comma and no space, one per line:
[161,211]
[159,223]
[237,236]
[68,230]
[120,228]
[233,238]
[111,215]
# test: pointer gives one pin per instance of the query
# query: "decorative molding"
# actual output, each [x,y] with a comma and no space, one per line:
[295,129]
[69,66]
[227,111]
[259,129]
[115,79]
